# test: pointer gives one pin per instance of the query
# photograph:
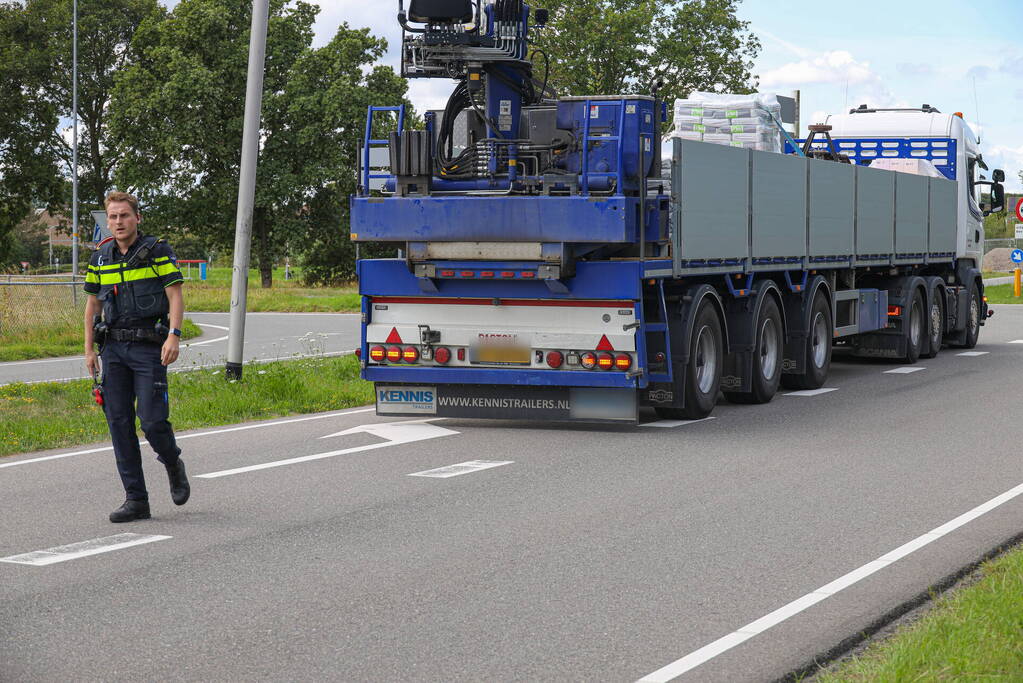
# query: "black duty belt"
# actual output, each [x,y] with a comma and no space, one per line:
[135,335]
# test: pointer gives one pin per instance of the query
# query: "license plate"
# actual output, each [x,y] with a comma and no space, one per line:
[501,355]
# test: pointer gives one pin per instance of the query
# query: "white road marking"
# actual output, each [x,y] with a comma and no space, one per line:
[809,392]
[213,364]
[208,341]
[668,424]
[1016,341]
[74,551]
[973,353]
[217,327]
[904,370]
[62,359]
[741,635]
[461,468]
[395,432]
[179,437]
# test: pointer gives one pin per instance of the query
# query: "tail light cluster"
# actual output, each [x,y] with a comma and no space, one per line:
[442,355]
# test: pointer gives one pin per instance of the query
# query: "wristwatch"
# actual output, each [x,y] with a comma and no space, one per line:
[176,331]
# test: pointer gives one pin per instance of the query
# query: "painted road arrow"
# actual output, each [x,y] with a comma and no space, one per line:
[395,433]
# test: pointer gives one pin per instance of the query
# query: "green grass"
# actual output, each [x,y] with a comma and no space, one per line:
[285,295]
[994,273]
[59,338]
[1001,294]
[972,634]
[63,414]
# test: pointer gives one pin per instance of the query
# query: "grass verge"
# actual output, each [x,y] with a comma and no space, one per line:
[214,295]
[62,414]
[972,634]
[57,339]
[1001,294]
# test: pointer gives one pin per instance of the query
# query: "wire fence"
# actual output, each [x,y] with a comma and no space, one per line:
[36,306]
[1002,244]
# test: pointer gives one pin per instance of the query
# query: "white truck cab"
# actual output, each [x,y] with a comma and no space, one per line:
[944,140]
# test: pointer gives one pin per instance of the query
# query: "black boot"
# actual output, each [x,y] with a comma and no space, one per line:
[180,490]
[130,511]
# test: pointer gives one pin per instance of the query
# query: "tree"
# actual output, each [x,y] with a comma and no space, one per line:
[105,30]
[180,112]
[618,46]
[28,164]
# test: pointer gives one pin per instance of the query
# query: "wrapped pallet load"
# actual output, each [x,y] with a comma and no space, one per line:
[747,121]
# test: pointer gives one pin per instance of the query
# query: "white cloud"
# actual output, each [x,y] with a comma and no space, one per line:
[1010,160]
[837,68]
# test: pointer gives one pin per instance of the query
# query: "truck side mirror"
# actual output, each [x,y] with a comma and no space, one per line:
[998,175]
[997,198]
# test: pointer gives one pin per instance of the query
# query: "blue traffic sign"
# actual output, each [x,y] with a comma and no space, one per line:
[1017,255]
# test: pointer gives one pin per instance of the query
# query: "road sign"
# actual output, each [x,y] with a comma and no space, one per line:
[1019,231]
[1017,255]
[1019,209]
[101,232]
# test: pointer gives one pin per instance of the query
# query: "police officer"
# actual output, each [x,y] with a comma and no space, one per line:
[134,312]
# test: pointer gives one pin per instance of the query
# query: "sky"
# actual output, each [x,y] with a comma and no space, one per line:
[956,56]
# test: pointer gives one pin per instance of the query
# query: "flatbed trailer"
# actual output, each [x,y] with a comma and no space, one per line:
[587,286]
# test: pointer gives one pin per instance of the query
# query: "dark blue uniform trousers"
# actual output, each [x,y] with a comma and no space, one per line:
[132,374]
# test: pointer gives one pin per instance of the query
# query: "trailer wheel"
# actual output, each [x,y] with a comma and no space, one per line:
[914,329]
[703,372]
[817,353]
[936,325]
[767,357]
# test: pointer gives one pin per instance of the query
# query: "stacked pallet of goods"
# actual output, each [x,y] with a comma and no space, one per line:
[746,121]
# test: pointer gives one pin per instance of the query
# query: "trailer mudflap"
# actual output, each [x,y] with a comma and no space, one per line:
[508,402]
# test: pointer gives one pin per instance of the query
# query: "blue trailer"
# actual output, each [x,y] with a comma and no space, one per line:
[549,269]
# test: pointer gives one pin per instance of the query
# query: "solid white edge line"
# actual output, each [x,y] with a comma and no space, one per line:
[812,392]
[973,353]
[208,341]
[1016,341]
[216,327]
[741,635]
[213,364]
[74,551]
[192,436]
[293,461]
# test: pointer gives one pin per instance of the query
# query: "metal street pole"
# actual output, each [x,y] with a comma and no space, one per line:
[247,188]
[74,152]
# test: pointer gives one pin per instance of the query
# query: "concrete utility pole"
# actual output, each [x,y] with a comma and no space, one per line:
[795,95]
[74,149]
[247,187]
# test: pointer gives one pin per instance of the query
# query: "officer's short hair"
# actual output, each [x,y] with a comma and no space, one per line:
[122,197]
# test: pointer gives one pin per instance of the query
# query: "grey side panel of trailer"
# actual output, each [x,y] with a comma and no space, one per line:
[779,205]
[875,213]
[710,188]
[944,207]
[832,209]
[911,210]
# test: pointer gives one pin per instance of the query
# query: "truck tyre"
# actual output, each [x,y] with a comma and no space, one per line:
[703,373]
[914,329]
[768,354]
[972,317]
[817,352]
[935,325]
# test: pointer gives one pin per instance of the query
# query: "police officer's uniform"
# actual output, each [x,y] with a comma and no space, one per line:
[131,294]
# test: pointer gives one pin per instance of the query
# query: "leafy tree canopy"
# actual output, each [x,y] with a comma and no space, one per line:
[179,111]
[620,46]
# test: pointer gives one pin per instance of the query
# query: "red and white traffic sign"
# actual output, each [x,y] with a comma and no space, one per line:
[1019,210]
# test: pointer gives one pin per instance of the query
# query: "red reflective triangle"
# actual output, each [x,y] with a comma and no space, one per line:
[393,337]
[604,344]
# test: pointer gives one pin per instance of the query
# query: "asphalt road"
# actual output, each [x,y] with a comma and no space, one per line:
[746,544]
[268,336]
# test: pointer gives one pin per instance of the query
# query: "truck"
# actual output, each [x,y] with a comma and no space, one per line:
[547,269]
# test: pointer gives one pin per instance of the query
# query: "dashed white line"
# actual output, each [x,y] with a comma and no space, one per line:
[811,392]
[725,643]
[192,436]
[669,424]
[461,468]
[904,370]
[973,353]
[74,551]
